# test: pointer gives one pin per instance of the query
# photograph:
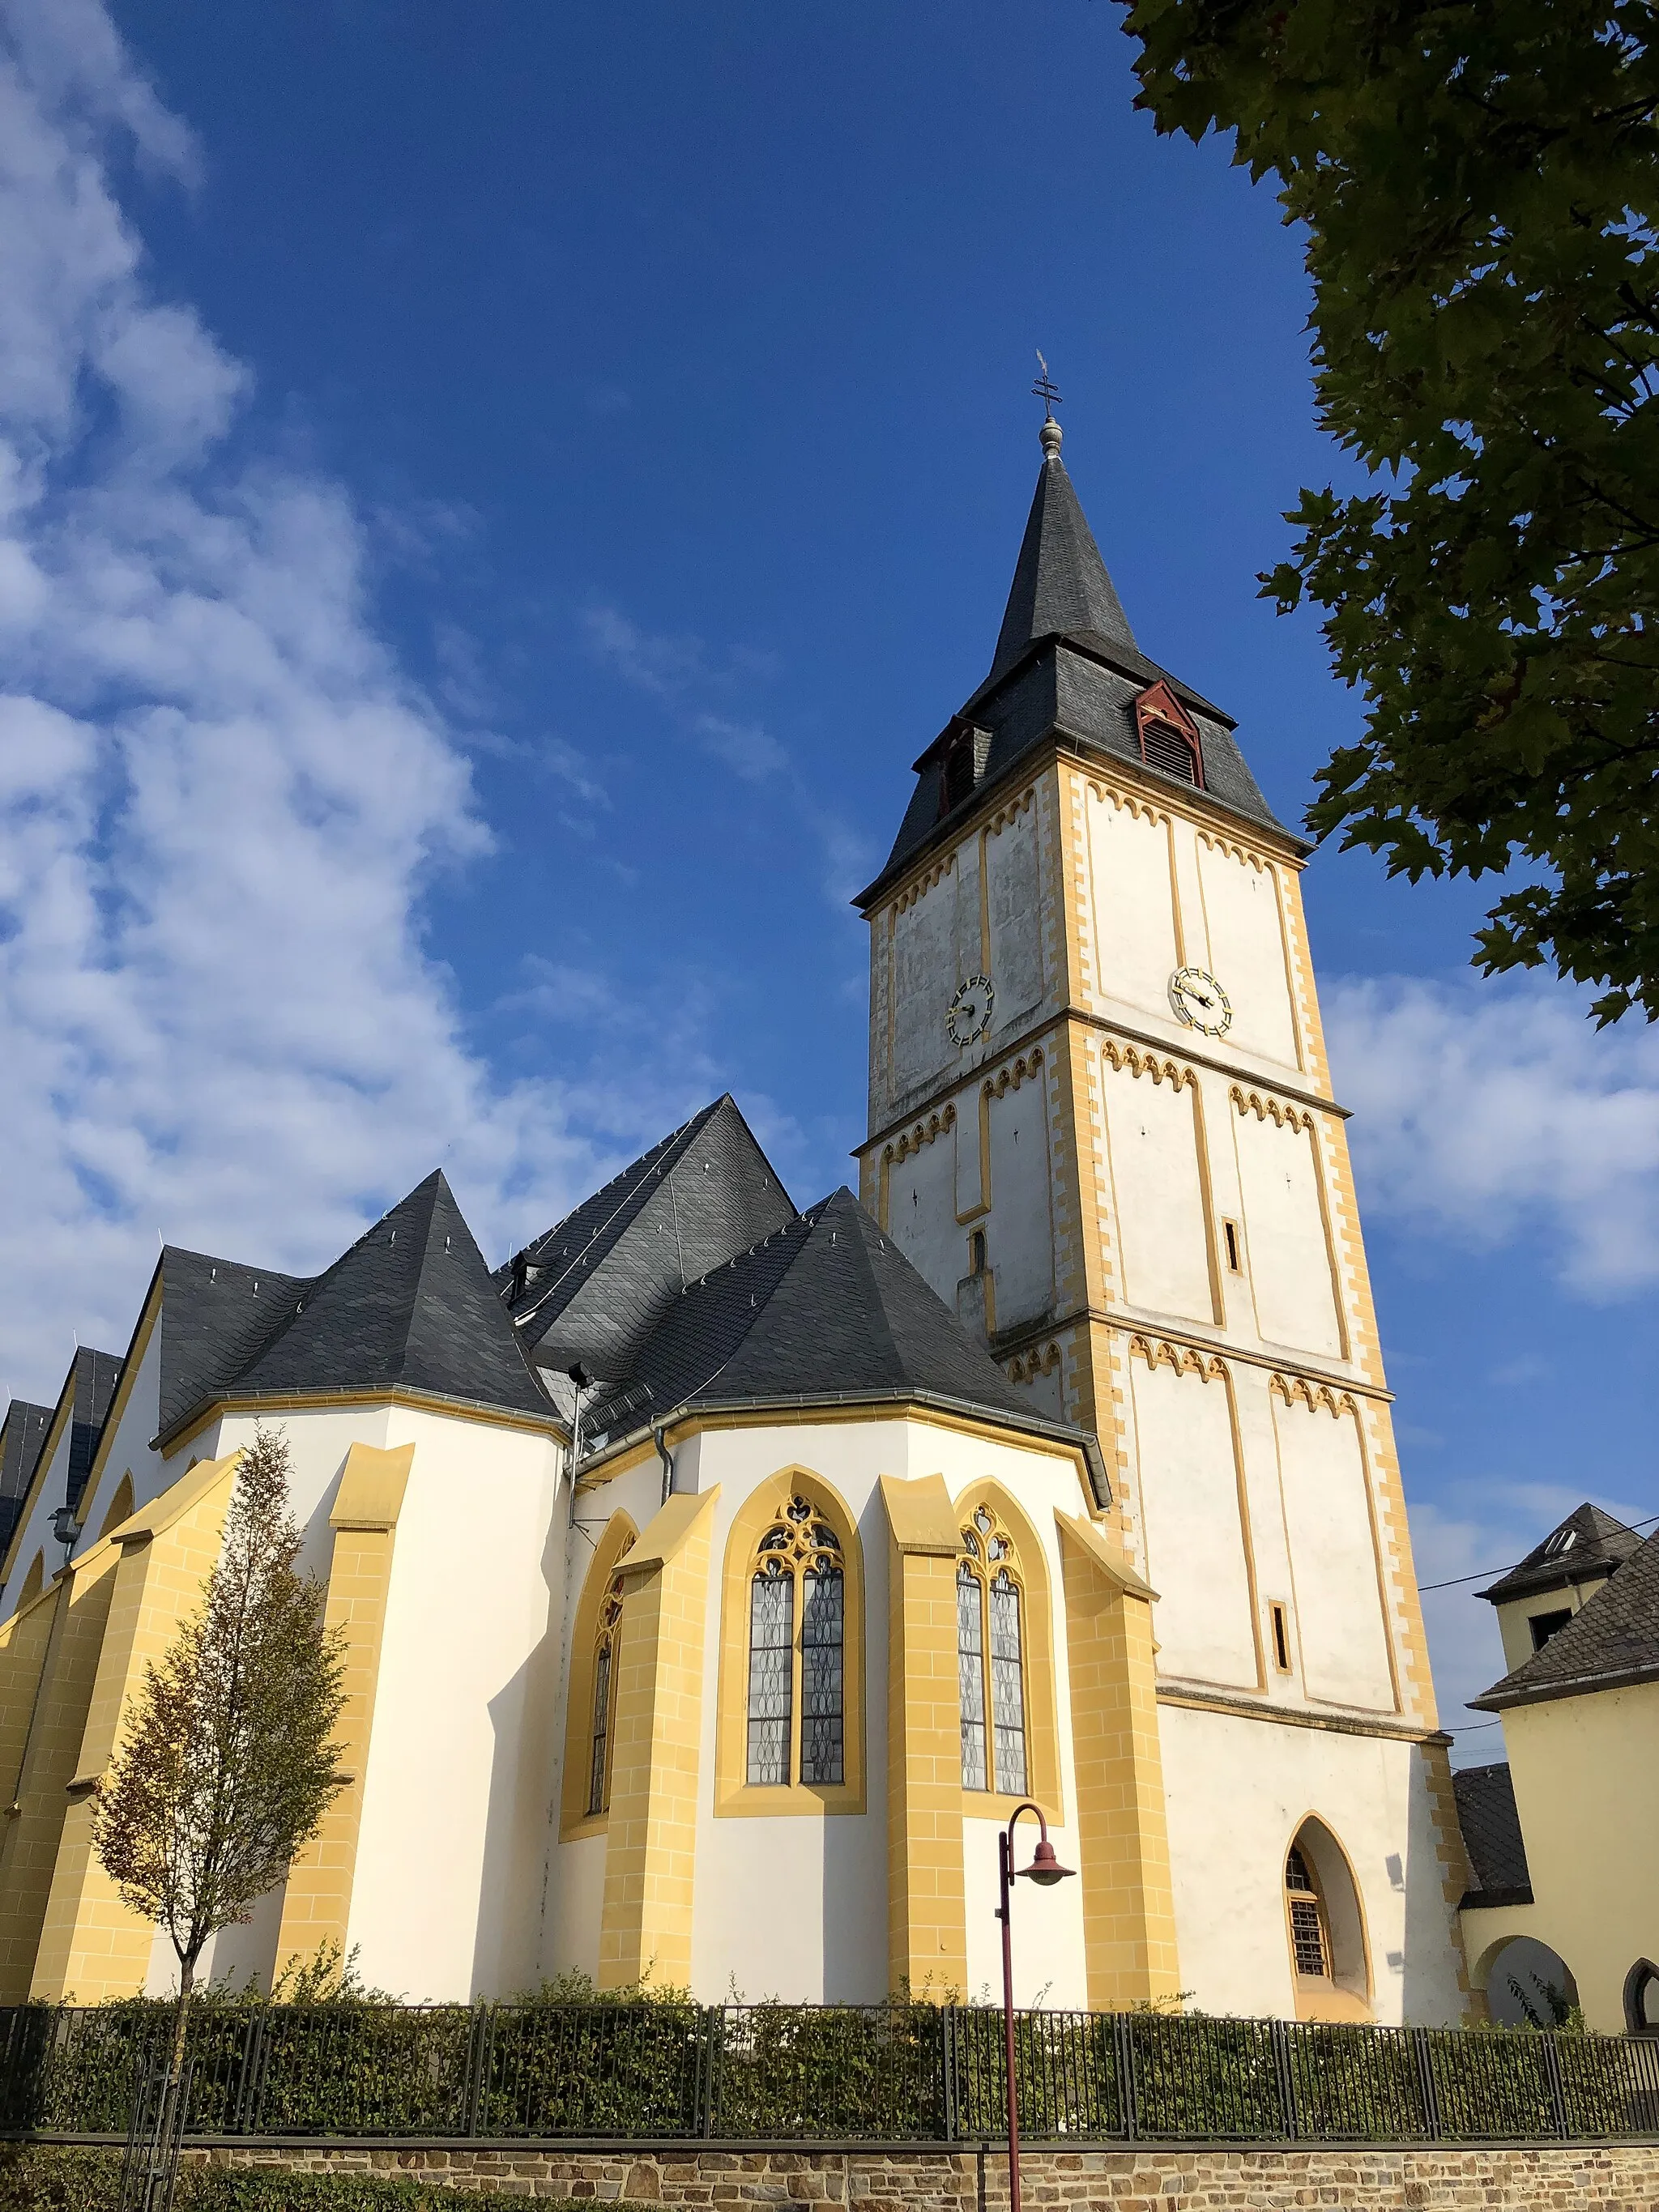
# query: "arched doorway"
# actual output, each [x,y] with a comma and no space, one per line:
[1325,1926]
[1642,1999]
[1528,1985]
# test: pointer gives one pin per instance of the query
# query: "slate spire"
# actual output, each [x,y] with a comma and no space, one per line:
[1061,582]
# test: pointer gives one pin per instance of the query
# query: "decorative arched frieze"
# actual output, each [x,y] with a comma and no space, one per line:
[1012,812]
[1023,1069]
[1297,1391]
[1185,1358]
[1269,1108]
[1128,802]
[1235,851]
[924,883]
[1027,1367]
[920,1133]
[1147,1063]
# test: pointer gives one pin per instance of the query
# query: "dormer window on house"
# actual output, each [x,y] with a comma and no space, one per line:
[1168,737]
[961,765]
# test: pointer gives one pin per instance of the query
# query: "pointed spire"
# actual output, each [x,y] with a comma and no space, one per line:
[1061,582]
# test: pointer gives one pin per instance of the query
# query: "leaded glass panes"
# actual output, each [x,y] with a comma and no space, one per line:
[801,1580]
[601,1727]
[1007,1685]
[822,1619]
[991,1660]
[970,1667]
[771,1671]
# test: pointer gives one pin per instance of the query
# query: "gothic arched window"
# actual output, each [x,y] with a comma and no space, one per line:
[1310,1939]
[604,1693]
[796,1633]
[991,1658]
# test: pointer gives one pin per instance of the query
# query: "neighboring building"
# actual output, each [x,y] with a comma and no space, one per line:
[1060,1468]
[1563,1838]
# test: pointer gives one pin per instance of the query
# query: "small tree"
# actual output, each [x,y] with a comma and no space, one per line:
[228,1762]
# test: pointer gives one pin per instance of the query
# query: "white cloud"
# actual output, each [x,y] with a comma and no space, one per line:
[221,800]
[1487,1112]
[744,747]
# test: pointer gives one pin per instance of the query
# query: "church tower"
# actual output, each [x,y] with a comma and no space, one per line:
[1102,1126]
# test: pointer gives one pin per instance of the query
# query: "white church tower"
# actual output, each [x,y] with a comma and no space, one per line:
[1102,1126]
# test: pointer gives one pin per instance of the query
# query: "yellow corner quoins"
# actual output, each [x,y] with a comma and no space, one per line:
[1129,1900]
[645,1927]
[317,1903]
[124,1600]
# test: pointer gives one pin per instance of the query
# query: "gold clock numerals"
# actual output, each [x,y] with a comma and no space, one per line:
[1199,1000]
[968,1015]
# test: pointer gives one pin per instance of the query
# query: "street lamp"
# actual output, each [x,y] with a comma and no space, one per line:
[1046,1871]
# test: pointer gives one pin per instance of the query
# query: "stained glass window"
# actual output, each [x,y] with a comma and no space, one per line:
[605,1682]
[991,1660]
[797,1694]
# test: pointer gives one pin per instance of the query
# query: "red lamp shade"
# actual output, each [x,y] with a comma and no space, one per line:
[1045,1868]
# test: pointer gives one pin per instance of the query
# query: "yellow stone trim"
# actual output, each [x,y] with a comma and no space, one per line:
[735,1796]
[1123,1847]
[645,1925]
[317,1901]
[1031,1564]
[574,1818]
[926,1907]
[92,1945]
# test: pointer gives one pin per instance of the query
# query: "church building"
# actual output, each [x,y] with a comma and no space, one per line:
[717,1576]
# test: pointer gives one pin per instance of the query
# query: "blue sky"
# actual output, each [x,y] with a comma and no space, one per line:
[497,498]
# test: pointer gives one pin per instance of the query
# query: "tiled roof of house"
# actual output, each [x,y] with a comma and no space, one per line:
[1612,1639]
[1492,1836]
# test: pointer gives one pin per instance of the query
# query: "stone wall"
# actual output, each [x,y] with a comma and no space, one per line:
[1620,2178]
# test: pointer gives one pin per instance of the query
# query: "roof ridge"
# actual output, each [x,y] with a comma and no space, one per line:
[440,1190]
[860,1218]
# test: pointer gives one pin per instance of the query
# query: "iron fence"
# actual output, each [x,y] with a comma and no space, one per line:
[899,2073]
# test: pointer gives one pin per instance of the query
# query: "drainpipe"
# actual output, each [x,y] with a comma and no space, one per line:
[667,1464]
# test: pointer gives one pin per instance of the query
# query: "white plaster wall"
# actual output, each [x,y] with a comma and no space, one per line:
[921,1215]
[796,1907]
[1288,1252]
[1238,1792]
[1157,1194]
[1193,1528]
[1047,1393]
[1328,1513]
[1019,1231]
[1050,1963]
[447,1898]
[1133,899]
[1013,891]
[574,1904]
[1245,934]
[926,972]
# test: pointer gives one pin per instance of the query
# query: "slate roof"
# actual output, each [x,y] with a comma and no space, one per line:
[410,1305]
[1612,1639]
[593,1286]
[1492,1836]
[1066,661]
[825,1308]
[94,1374]
[22,1433]
[1587,1544]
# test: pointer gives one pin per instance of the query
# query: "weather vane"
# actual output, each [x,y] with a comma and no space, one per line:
[1044,390]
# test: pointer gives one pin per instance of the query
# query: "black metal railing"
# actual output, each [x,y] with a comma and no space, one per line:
[900,2073]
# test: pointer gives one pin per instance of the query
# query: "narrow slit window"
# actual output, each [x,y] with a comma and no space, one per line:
[1233,1243]
[976,1252]
[1281,1624]
[603,1714]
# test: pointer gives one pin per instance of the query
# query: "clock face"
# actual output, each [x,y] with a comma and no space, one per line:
[970,1016]
[1199,1001]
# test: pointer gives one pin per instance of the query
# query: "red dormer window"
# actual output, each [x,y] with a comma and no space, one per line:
[1170,740]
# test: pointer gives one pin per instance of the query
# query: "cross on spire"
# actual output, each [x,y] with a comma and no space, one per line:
[1045,390]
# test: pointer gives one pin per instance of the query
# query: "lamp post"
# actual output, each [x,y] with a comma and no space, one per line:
[1046,1871]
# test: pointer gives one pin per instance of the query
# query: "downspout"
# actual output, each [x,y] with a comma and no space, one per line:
[663,1454]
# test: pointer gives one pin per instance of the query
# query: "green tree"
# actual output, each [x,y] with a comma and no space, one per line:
[227,1763]
[1478,181]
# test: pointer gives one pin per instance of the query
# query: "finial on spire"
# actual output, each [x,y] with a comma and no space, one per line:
[1044,390]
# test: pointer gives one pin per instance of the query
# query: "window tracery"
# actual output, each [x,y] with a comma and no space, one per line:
[991,1658]
[1311,1942]
[796,1704]
[605,1690]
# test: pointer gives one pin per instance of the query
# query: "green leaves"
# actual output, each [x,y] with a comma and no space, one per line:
[1479,186]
